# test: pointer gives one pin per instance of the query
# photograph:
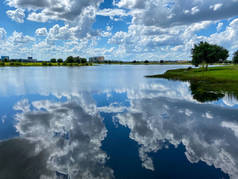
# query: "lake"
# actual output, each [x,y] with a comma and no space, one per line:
[109,121]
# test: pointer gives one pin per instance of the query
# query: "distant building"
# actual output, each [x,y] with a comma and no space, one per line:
[96,59]
[3,58]
[30,58]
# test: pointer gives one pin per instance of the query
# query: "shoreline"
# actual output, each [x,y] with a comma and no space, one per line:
[209,85]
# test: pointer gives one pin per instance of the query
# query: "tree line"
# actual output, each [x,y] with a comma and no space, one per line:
[69,59]
[205,53]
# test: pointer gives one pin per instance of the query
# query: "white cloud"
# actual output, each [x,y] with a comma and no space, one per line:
[194,10]
[219,26]
[55,10]
[60,33]
[216,7]
[75,13]
[168,33]
[17,15]
[226,37]
[112,12]
[18,38]
[172,13]
[41,32]
[3,34]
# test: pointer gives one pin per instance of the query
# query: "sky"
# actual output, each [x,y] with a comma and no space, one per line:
[117,29]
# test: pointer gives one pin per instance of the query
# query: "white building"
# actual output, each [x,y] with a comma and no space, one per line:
[96,59]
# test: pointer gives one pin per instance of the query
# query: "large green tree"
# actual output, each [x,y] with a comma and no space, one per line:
[205,53]
[235,57]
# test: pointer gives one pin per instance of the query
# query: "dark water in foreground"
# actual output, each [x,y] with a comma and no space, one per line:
[111,122]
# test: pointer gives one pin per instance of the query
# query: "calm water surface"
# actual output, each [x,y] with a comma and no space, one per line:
[111,122]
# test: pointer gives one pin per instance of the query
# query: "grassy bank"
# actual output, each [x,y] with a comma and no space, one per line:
[224,73]
[16,64]
[207,85]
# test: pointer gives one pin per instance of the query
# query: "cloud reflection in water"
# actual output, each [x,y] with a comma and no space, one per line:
[208,132]
[55,136]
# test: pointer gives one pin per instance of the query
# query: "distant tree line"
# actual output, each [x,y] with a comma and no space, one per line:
[69,59]
[205,53]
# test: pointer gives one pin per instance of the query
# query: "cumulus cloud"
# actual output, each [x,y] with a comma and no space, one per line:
[226,37]
[55,10]
[167,34]
[172,13]
[18,38]
[113,13]
[60,33]
[141,38]
[17,15]
[170,43]
[41,32]
[3,34]
[79,14]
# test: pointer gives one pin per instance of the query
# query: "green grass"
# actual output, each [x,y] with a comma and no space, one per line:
[224,73]
[207,85]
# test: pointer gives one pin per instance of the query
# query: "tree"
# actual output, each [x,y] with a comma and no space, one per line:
[69,59]
[60,60]
[53,60]
[84,60]
[146,61]
[235,57]
[205,53]
[5,60]
[77,60]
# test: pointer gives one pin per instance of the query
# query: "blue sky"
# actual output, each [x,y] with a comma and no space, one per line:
[116,29]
